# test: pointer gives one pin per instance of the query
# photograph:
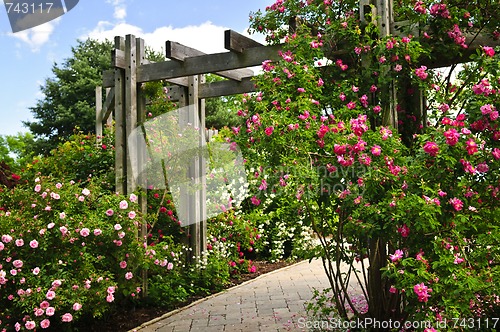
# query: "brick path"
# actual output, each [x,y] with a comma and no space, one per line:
[271,302]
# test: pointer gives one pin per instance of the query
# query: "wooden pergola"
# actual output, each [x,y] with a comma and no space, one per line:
[184,69]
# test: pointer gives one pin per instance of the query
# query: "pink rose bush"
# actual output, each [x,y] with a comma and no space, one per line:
[411,197]
[53,270]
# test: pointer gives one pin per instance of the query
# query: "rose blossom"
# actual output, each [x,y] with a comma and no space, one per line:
[67,317]
[34,244]
[123,205]
[30,325]
[85,232]
[45,323]
[50,311]
[18,263]
[50,295]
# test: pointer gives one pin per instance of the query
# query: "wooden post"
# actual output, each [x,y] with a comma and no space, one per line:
[384,21]
[120,132]
[108,116]
[130,105]
[194,170]
[141,160]
[98,113]
[203,171]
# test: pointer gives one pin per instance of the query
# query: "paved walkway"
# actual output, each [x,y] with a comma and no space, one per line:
[271,302]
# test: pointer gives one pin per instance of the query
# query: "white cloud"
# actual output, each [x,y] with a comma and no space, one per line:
[37,36]
[207,37]
[120,9]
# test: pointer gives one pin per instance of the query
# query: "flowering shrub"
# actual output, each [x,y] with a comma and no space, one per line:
[67,252]
[78,159]
[409,192]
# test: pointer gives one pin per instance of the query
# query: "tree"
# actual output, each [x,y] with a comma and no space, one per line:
[403,198]
[16,150]
[221,111]
[69,96]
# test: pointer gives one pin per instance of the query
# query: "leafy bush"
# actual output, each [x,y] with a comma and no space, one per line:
[68,253]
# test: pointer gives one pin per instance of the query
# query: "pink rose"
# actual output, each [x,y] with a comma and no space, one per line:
[45,323]
[50,295]
[85,232]
[123,205]
[30,325]
[67,317]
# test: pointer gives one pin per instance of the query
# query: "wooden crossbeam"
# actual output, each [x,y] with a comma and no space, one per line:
[109,104]
[209,63]
[236,42]
[226,88]
[179,52]
[118,61]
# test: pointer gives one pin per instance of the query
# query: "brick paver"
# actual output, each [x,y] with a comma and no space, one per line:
[271,302]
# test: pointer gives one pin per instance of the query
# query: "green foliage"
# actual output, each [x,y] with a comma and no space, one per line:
[411,195]
[221,111]
[69,96]
[80,236]
[15,150]
[79,159]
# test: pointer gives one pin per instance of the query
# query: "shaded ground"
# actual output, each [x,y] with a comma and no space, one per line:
[130,318]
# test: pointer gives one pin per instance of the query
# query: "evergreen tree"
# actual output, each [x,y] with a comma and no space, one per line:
[69,96]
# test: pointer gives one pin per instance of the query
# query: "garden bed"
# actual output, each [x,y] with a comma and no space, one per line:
[130,318]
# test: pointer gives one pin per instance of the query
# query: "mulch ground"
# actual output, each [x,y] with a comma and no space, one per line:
[129,318]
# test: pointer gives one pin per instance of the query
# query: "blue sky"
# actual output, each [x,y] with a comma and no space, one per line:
[27,57]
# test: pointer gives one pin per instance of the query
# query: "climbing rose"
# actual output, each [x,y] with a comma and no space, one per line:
[456,203]
[489,51]
[398,254]
[420,72]
[269,130]
[422,292]
[431,148]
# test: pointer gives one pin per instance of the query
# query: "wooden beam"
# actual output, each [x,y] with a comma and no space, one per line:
[179,52]
[473,40]
[226,88]
[108,103]
[130,105]
[98,113]
[209,63]
[176,93]
[120,152]
[118,58]
[236,42]
[108,79]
